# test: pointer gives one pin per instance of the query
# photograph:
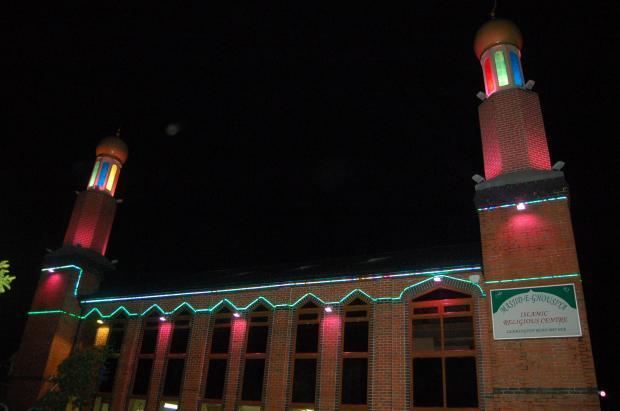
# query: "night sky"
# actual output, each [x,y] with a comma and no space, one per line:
[262,135]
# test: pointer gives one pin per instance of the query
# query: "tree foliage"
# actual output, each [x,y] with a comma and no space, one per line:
[5,278]
[77,380]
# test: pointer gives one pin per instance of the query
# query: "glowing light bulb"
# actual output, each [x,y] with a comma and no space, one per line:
[602,393]
[437,279]
[328,309]
[162,318]
[236,315]
[521,206]
[100,321]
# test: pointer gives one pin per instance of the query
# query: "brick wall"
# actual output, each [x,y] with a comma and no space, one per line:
[126,363]
[533,242]
[513,133]
[91,221]
[47,339]
[195,365]
[159,362]
[277,374]
[547,373]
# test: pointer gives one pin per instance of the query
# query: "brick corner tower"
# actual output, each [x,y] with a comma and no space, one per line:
[537,349]
[73,271]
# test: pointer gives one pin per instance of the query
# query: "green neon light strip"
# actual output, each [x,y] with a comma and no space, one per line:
[54,312]
[75,267]
[546,277]
[261,299]
[427,282]
[544,200]
[289,284]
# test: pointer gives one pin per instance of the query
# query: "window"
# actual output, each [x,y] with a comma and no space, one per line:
[306,357]
[144,364]
[488,77]
[175,365]
[255,357]
[516,68]
[443,356]
[355,354]
[217,360]
[114,341]
[500,68]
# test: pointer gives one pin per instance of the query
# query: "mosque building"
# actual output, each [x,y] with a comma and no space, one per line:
[500,326]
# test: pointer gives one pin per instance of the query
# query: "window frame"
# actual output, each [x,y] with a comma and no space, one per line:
[442,354]
[183,316]
[149,323]
[256,312]
[367,306]
[114,323]
[318,310]
[219,315]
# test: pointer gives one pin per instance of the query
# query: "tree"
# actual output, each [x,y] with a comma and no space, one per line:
[5,278]
[77,380]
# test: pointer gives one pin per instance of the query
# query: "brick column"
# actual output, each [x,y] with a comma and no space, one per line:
[126,363]
[279,360]
[163,338]
[388,357]
[233,375]
[400,360]
[329,362]
[195,362]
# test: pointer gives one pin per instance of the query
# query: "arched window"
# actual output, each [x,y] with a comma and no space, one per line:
[305,358]
[443,355]
[175,361]
[255,359]
[144,365]
[217,360]
[355,356]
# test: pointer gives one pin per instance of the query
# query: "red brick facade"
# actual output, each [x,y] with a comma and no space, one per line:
[513,133]
[532,245]
[91,221]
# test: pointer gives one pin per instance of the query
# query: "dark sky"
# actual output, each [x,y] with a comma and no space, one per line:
[307,132]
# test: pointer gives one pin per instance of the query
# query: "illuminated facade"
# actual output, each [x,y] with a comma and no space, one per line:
[502,326]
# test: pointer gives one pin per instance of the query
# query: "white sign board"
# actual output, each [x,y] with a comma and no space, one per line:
[535,312]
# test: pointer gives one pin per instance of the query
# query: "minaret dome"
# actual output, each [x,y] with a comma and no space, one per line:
[498,45]
[113,147]
[497,31]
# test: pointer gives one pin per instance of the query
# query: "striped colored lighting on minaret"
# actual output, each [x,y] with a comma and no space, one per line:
[498,47]
[111,155]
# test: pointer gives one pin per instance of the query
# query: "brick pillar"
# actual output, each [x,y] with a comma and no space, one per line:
[163,338]
[194,365]
[126,363]
[483,338]
[329,363]
[279,360]
[399,355]
[388,357]
[233,375]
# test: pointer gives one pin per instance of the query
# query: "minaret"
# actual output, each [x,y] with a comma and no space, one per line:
[68,273]
[93,213]
[513,133]
[527,246]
